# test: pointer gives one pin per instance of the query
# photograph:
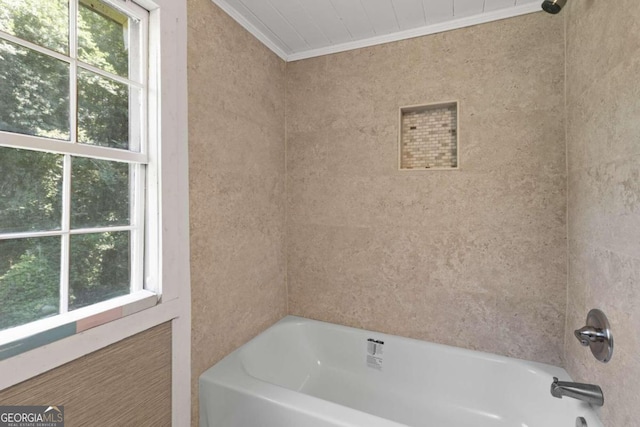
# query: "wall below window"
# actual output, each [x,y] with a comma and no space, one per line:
[474,258]
[124,384]
[237,177]
[603,147]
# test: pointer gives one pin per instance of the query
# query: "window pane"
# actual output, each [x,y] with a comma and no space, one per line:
[99,193]
[103,111]
[103,36]
[29,280]
[45,23]
[34,92]
[99,268]
[30,190]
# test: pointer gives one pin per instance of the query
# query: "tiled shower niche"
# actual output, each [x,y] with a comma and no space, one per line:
[429,137]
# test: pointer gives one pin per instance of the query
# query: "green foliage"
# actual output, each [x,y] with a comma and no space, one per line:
[99,195]
[105,268]
[29,290]
[30,190]
[33,87]
[34,99]
[108,51]
[103,115]
[41,22]
[34,91]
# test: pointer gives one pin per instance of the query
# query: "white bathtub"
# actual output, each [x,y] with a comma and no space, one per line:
[304,373]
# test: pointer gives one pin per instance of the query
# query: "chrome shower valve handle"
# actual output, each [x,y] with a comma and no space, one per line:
[588,334]
[597,335]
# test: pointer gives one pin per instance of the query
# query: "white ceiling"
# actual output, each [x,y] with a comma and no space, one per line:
[298,29]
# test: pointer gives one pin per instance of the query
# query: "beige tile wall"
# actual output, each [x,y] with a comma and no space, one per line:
[237,177]
[471,258]
[474,258]
[603,146]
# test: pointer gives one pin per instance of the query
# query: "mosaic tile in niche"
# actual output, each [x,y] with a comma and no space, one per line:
[429,137]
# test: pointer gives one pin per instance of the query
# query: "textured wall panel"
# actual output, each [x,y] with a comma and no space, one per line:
[603,146]
[237,177]
[125,384]
[470,257]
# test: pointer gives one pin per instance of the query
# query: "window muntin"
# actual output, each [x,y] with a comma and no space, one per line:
[73,213]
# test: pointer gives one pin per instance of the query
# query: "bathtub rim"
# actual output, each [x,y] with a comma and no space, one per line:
[230,373]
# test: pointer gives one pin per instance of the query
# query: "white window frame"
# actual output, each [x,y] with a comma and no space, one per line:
[142,292]
[167,222]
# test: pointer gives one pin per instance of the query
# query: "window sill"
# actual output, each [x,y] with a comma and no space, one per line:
[45,331]
[28,364]
[36,334]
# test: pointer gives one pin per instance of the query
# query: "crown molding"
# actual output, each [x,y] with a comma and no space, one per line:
[454,24]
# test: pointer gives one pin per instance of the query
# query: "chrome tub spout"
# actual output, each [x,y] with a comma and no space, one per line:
[589,393]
